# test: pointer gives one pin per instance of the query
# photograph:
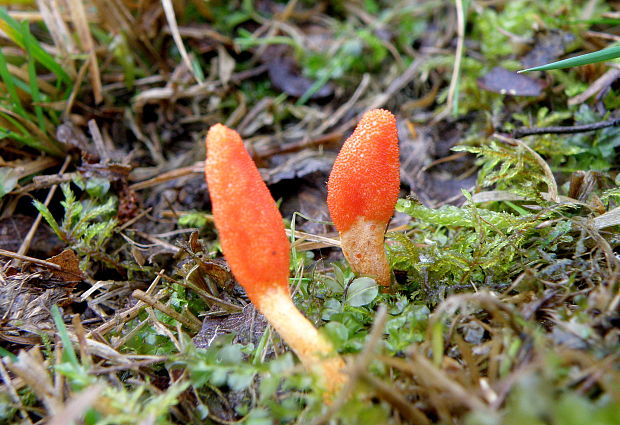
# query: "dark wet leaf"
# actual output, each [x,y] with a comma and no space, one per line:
[299,165]
[286,76]
[218,272]
[310,202]
[500,80]
[73,136]
[548,48]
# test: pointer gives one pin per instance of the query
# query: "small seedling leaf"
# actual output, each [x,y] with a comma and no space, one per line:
[362,291]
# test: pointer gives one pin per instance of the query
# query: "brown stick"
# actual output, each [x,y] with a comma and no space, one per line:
[192,323]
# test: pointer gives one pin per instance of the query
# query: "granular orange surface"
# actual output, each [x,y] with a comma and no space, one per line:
[247,219]
[365,179]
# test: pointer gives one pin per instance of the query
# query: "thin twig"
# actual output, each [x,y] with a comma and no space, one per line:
[190,321]
[522,132]
[197,168]
[391,395]
[30,259]
[128,314]
[602,83]
[395,86]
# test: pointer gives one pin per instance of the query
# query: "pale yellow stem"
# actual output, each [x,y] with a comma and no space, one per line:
[315,352]
[362,245]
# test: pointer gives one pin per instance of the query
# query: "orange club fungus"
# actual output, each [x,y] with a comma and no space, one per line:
[256,248]
[362,192]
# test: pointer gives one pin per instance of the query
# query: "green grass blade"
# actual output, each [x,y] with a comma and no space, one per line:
[315,87]
[32,76]
[17,126]
[30,135]
[588,58]
[69,351]
[13,29]
[8,80]
[6,353]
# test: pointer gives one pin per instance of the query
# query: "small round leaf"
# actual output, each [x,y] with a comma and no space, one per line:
[362,291]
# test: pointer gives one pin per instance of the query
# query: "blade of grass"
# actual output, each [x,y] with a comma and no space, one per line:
[15,2]
[8,80]
[31,133]
[13,30]
[315,87]
[32,77]
[17,126]
[10,134]
[437,342]
[453,91]
[588,58]
[6,353]
[20,75]
[68,351]
[178,41]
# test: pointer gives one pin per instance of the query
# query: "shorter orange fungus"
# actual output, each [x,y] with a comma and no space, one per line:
[362,192]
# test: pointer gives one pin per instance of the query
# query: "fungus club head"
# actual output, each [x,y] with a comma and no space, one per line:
[365,179]
[247,219]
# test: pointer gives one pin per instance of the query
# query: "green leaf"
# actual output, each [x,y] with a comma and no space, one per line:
[230,354]
[240,380]
[6,353]
[47,215]
[337,333]
[8,180]
[9,82]
[68,352]
[193,219]
[330,307]
[588,58]
[97,187]
[362,291]
[30,43]
[14,31]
